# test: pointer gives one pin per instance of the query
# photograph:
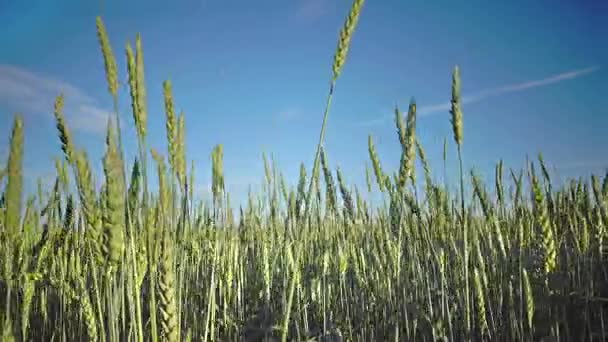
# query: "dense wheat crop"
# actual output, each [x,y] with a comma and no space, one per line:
[121,262]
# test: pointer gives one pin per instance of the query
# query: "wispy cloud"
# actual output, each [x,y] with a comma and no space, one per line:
[311,10]
[583,164]
[29,92]
[289,114]
[493,92]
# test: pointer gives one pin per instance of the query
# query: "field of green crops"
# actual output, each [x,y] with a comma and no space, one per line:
[312,261]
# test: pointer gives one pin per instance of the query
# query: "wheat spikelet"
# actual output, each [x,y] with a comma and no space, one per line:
[529,298]
[29,287]
[543,168]
[163,191]
[425,165]
[191,180]
[141,83]
[113,215]
[62,174]
[88,199]
[140,124]
[331,196]
[180,158]
[403,163]
[64,133]
[480,301]
[407,139]
[498,182]
[108,58]
[267,171]
[346,196]
[167,284]
[301,195]
[542,220]
[373,155]
[7,330]
[171,123]
[410,150]
[456,110]
[87,312]
[134,185]
[480,192]
[345,36]
[15,178]
[217,171]
[368,177]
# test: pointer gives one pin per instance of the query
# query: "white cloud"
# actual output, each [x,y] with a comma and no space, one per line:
[29,92]
[487,93]
[289,114]
[311,10]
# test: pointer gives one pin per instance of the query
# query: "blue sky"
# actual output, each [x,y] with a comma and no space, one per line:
[254,75]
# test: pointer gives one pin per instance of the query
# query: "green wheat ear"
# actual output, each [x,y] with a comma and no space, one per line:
[347,199]
[217,166]
[180,158]
[529,299]
[331,197]
[141,83]
[64,133]
[542,220]
[407,139]
[113,215]
[373,155]
[171,123]
[15,177]
[345,36]
[108,57]
[167,284]
[137,90]
[456,107]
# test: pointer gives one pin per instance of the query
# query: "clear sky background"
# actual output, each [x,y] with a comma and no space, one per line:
[253,75]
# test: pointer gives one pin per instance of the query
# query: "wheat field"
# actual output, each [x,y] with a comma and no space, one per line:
[312,261]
